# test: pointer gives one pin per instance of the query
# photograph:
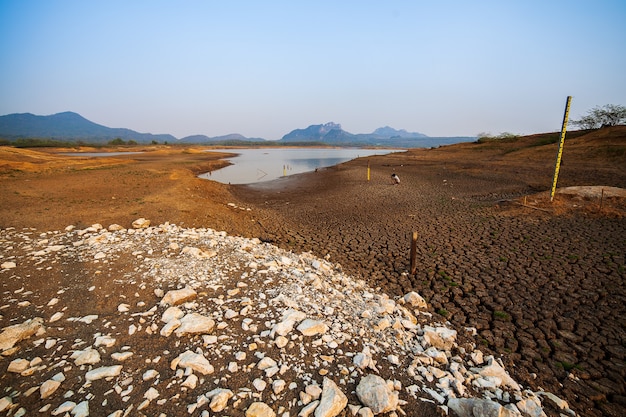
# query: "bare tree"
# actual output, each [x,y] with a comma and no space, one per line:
[608,115]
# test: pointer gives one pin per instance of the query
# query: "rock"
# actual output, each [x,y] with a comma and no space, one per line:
[198,253]
[176,297]
[479,407]
[309,327]
[86,357]
[81,409]
[415,300]
[66,407]
[560,403]
[192,360]
[169,327]
[530,407]
[18,365]
[194,323]
[493,368]
[333,400]
[18,332]
[141,223]
[308,409]
[103,372]
[48,388]
[8,265]
[172,313]
[219,399]
[364,359]
[365,412]
[5,403]
[440,337]
[260,409]
[373,392]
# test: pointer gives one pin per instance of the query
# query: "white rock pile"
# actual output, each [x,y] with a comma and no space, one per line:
[163,321]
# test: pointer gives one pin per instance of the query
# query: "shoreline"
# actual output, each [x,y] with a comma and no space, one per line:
[539,276]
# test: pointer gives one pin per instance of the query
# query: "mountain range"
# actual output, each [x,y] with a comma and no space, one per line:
[69,126]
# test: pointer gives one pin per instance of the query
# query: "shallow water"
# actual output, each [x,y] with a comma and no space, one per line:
[261,165]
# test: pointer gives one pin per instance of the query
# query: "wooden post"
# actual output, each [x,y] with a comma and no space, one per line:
[414,253]
[368,170]
[601,199]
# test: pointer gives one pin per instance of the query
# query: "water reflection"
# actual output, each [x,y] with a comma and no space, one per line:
[260,165]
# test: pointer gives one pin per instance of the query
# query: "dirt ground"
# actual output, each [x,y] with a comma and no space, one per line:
[541,281]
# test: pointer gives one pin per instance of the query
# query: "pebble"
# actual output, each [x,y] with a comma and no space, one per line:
[303,305]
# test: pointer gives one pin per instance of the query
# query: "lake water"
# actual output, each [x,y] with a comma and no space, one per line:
[260,165]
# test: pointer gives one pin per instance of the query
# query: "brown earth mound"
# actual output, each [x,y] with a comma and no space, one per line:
[541,281]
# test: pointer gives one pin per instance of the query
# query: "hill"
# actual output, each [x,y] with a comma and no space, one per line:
[72,127]
[332,134]
[69,126]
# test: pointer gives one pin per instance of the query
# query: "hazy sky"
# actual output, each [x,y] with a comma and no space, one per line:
[264,68]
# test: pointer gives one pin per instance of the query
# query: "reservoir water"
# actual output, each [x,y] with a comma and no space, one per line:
[259,165]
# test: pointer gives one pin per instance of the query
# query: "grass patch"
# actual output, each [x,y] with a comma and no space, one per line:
[443,312]
[502,315]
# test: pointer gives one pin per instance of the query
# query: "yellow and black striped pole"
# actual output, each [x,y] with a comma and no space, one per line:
[559,154]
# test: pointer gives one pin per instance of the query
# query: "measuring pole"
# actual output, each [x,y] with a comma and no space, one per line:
[559,154]
[368,170]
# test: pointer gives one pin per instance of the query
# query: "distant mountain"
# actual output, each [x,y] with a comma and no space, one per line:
[68,126]
[216,140]
[390,132]
[327,133]
[332,134]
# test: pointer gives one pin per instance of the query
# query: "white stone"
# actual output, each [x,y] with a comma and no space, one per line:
[56,316]
[260,409]
[66,407]
[373,392]
[150,374]
[259,384]
[8,265]
[18,332]
[48,388]
[194,323]
[415,300]
[192,360]
[265,363]
[18,365]
[81,409]
[219,399]
[5,403]
[88,356]
[151,394]
[169,327]
[494,369]
[309,327]
[176,297]
[333,400]
[121,356]
[191,382]
[530,407]
[103,372]
[172,313]
[308,409]
[141,223]
[278,386]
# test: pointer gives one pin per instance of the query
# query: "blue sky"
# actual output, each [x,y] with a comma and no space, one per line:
[264,68]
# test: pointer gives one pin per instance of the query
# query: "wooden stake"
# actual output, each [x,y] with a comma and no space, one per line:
[414,253]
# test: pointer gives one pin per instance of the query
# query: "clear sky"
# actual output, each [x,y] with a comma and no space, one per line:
[264,68]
